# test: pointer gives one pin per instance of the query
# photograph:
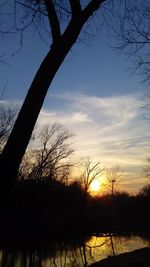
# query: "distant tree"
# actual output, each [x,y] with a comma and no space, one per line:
[51,159]
[63,21]
[91,172]
[145,191]
[113,175]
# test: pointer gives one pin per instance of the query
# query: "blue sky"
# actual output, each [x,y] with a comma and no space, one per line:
[92,68]
[93,94]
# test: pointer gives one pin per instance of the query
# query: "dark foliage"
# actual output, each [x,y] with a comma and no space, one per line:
[50,207]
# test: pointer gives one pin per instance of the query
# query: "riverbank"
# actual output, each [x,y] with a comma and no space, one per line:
[137,258]
[40,229]
[39,210]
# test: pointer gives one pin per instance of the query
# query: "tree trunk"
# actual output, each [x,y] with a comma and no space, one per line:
[24,125]
[20,136]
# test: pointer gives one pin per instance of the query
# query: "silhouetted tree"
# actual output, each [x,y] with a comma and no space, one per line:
[7,116]
[74,14]
[145,191]
[51,160]
[113,175]
[91,172]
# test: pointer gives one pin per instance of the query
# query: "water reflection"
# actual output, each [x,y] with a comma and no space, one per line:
[72,255]
[103,246]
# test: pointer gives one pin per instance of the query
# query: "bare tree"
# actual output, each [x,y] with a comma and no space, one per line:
[74,14]
[51,159]
[91,172]
[132,31]
[7,116]
[133,34]
[113,176]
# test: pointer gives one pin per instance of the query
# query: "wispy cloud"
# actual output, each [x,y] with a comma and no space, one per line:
[106,129]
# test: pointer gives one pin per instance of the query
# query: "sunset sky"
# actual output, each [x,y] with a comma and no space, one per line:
[94,95]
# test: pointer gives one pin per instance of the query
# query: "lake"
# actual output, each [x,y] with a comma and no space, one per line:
[69,254]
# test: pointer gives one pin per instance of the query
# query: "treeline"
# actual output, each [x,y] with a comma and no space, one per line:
[43,196]
[56,207]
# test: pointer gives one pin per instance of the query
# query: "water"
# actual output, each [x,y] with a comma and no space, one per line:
[62,254]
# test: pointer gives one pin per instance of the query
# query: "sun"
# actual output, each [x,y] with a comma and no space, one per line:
[95,186]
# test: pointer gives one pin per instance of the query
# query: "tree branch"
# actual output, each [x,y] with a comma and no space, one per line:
[75,7]
[53,20]
[91,8]
[32,8]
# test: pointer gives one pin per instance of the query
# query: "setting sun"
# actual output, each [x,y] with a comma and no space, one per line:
[98,186]
[95,186]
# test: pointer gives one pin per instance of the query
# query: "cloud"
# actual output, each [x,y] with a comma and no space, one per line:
[114,110]
[106,129]
[68,119]
[10,103]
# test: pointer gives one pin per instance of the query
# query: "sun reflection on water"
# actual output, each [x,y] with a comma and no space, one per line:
[93,250]
[108,245]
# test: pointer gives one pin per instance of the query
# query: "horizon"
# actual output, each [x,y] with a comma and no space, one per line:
[110,139]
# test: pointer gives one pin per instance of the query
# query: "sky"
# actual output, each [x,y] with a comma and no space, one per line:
[94,95]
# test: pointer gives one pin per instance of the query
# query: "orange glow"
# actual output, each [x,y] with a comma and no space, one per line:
[98,186]
[95,186]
